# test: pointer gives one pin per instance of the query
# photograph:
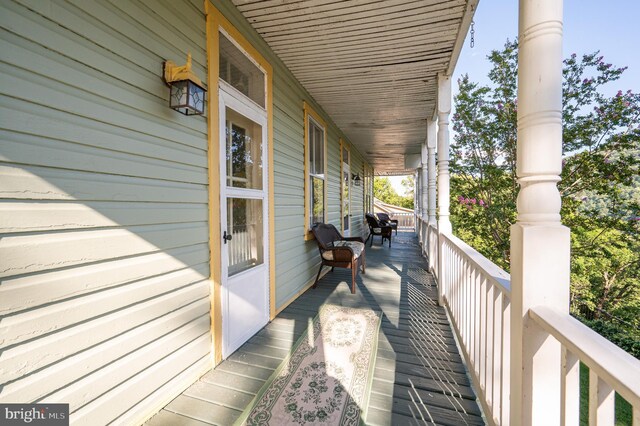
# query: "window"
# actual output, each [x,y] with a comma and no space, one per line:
[315,188]
[345,172]
[368,189]
[240,72]
[244,151]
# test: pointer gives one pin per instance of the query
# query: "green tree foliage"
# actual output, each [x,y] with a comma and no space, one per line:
[384,192]
[599,185]
[409,185]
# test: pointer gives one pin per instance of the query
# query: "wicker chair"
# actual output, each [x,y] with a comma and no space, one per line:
[336,250]
[377,228]
[386,220]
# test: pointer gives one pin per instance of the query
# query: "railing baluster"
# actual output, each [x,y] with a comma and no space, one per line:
[465,315]
[570,406]
[601,401]
[471,314]
[477,325]
[448,273]
[506,360]
[489,363]
[482,343]
[457,279]
[470,322]
[498,337]
[468,308]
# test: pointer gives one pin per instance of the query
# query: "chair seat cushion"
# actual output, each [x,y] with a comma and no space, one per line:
[356,246]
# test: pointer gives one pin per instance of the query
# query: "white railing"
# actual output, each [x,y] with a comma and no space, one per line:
[611,369]
[405,220]
[477,296]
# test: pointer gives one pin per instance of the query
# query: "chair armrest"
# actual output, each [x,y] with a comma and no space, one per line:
[354,239]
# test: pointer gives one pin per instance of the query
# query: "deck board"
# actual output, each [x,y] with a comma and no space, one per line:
[419,377]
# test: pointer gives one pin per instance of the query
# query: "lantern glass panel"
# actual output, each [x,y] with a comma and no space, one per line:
[179,92]
[196,98]
[187,97]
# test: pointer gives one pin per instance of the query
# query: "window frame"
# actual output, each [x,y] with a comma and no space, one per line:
[344,147]
[311,116]
[368,189]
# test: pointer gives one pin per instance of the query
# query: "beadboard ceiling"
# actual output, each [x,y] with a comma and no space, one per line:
[372,65]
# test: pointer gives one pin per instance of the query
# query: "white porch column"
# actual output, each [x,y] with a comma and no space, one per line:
[444,108]
[444,224]
[417,207]
[424,174]
[416,193]
[432,171]
[431,188]
[539,243]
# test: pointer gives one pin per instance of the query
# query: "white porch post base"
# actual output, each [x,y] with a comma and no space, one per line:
[539,276]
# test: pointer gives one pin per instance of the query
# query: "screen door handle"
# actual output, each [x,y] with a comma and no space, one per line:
[226,237]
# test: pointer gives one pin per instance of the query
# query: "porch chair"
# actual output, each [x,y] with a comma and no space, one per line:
[386,220]
[377,228]
[336,250]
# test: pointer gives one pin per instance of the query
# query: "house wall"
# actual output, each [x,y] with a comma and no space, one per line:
[104,257]
[297,260]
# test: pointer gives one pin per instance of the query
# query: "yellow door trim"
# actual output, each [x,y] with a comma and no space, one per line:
[215,22]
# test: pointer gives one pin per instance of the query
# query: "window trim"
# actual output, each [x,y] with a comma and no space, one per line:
[311,114]
[368,189]
[344,147]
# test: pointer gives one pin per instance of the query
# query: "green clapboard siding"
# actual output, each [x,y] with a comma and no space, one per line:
[104,255]
[296,260]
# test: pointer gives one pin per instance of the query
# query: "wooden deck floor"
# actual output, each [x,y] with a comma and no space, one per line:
[419,376]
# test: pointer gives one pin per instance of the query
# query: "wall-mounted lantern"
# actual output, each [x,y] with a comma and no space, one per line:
[356,179]
[187,95]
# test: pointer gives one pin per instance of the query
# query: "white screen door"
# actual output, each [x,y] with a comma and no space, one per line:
[243,213]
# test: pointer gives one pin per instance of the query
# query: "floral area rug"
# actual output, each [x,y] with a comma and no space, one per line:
[326,380]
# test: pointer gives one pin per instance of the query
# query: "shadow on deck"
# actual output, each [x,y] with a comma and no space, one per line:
[419,376]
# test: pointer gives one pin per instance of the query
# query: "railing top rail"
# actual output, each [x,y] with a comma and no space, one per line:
[615,366]
[494,273]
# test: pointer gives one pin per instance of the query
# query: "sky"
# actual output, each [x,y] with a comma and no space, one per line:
[611,26]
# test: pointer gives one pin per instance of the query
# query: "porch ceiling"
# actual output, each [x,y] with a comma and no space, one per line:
[372,65]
